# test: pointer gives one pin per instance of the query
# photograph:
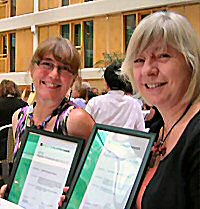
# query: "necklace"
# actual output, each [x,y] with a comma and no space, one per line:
[55,112]
[159,147]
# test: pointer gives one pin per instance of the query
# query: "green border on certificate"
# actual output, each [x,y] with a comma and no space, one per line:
[111,169]
[44,164]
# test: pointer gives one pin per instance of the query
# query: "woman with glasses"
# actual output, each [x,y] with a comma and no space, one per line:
[54,67]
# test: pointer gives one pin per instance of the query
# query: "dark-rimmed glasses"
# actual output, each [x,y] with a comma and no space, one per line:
[62,70]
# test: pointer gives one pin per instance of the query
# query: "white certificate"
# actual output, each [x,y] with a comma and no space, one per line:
[42,171]
[4,204]
[116,169]
[114,163]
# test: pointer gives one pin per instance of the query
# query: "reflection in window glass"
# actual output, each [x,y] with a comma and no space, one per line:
[130,24]
[65,2]
[65,31]
[12,52]
[77,35]
[5,47]
[88,44]
[143,16]
[13,8]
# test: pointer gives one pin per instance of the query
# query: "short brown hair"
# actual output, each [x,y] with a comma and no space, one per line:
[62,50]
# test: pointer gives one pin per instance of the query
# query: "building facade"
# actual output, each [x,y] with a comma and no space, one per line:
[95,28]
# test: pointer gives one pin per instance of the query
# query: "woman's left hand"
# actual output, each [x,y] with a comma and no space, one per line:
[3,191]
[62,198]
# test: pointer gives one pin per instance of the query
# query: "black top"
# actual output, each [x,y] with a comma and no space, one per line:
[176,183]
[157,118]
[8,105]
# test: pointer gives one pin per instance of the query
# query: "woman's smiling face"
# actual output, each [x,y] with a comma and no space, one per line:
[51,84]
[161,74]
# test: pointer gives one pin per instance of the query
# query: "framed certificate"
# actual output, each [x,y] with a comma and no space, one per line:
[4,204]
[45,163]
[111,169]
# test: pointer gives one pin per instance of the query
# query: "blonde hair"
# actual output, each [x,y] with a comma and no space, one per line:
[174,30]
[62,50]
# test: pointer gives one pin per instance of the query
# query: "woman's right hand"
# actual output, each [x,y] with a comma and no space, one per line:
[3,191]
[62,198]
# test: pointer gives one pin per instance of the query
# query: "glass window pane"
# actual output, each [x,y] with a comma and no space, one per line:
[65,2]
[143,16]
[65,31]
[12,52]
[77,35]
[130,24]
[5,47]
[13,8]
[88,44]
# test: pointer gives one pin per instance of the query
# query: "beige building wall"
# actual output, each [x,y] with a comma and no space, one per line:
[24,49]
[108,31]
[192,12]
[100,37]
[24,8]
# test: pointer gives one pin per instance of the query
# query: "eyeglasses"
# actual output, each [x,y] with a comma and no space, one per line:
[62,70]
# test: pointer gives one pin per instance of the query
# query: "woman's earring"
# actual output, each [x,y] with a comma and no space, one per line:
[32,87]
[70,95]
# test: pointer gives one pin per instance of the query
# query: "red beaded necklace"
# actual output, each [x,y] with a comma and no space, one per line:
[159,148]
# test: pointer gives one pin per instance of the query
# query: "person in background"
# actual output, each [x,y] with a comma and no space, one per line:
[91,94]
[104,91]
[115,108]
[9,102]
[163,64]
[86,84]
[129,91]
[79,94]
[76,86]
[54,67]
[152,118]
[95,90]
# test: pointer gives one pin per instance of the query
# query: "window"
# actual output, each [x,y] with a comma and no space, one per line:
[5,46]
[143,15]
[88,44]
[13,8]
[80,33]
[65,2]
[77,35]
[12,52]
[130,24]
[7,52]
[65,31]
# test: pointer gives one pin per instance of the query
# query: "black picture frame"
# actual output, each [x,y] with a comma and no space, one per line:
[90,188]
[45,156]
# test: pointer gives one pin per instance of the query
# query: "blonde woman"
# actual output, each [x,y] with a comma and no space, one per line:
[163,63]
